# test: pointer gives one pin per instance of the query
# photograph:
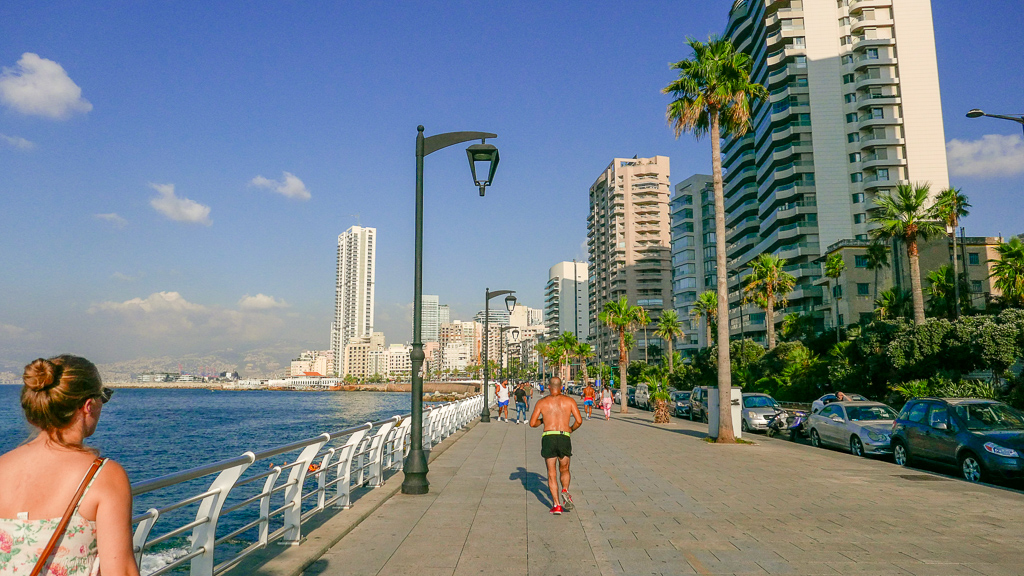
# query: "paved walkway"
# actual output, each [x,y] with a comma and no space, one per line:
[655,499]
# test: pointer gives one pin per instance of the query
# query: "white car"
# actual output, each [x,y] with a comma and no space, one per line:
[642,396]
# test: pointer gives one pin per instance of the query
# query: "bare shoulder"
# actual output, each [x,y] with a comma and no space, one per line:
[112,478]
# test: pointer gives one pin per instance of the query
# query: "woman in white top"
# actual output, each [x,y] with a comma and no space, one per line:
[63,398]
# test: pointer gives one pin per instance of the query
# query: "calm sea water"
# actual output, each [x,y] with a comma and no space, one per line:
[154,432]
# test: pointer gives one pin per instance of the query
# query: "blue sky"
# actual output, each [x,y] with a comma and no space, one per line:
[207,97]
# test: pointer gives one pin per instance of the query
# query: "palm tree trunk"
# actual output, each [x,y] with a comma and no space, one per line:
[707,328]
[646,345]
[956,274]
[876,287]
[725,433]
[623,361]
[915,282]
[671,353]
[770,320]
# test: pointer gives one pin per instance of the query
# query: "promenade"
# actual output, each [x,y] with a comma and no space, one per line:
[656,499]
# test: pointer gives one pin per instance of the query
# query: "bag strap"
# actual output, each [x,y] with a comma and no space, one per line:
[59,532]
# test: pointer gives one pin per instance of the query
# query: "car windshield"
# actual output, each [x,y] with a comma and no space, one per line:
[870,413]
[759,402]
[995,416]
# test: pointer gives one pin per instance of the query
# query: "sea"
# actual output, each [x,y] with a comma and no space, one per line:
[154,432]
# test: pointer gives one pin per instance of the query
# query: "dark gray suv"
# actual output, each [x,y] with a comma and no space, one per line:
[984,438]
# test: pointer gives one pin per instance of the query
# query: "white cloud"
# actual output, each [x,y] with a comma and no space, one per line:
[260,302]
[41,87]
[11,331]
[113,218]
[289,187]
[168,315]
[992,156]
[17,142]
[179,209]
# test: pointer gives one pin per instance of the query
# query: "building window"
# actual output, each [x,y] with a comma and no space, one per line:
[710,266]
[860,261]
[850,98]
[687,213]
[860,218]
[800,61]
[856,177]
[882,173]
[709,252]
[690,268]
[976,286]
[871,53]
[860,237]
[799,42]
[757,318]
[847,59]
[848,78]
[800,81]
[851,117]
[973,258]
[709,238]
[844,21]
[687,199]
[841,322]
[863,289]
[855,157]
[877,113]
[837,291]
[685,241]
[857,198]
[853,137]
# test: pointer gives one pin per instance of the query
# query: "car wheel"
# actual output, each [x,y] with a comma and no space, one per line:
[704,417]
[856,446]
[900,454]
[744,426]
[971,468]
[693,417]
[815,439]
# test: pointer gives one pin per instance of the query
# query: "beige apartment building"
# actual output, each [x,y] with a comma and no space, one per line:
[629,244]
[357,354]
[853,293]
[854,109]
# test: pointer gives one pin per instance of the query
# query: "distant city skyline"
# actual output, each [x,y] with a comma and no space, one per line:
[170,190]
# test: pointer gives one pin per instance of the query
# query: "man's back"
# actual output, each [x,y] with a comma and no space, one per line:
[556,410]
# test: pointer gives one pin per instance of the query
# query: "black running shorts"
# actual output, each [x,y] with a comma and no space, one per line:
[555,446]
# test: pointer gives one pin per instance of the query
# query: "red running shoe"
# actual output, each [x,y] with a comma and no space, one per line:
[557,510]
[567,501]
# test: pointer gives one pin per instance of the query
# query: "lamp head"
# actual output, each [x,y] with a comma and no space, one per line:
[510,303]
[483,153]
[975,113]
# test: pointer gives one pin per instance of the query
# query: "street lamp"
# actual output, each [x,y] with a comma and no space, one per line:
[415,468]
[1018,118]
[510,305]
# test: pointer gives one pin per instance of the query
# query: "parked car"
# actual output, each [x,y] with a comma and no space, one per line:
[758,409]
[631,390]
[681,404]
[642,396]
[863,428]
[820,403]
[699,403]
[984,438]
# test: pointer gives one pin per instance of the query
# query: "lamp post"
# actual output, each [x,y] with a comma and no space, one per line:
[501,351]
[1018,118]
[415,468]
[510,305]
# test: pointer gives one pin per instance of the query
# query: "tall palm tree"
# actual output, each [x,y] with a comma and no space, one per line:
[712,97]
[941,292]
[769,285]
[644,320]
[582,352]
[877,257]
[904,214]
[1008,271]
[950,206]
[706,306]
[669,329]
[893,303]
[834,267]
[564,349]
[623,318]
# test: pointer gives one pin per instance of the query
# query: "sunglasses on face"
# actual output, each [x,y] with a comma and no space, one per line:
[105,394]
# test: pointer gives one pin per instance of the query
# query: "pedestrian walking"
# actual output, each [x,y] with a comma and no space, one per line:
[606,401]
[528,386]
[501,393]
[521,407]
[588,400]
[557,411]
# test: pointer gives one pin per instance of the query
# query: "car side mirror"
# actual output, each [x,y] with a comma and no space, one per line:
[940,426]
[836,418]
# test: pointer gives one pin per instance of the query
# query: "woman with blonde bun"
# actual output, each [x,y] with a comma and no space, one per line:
[63,398]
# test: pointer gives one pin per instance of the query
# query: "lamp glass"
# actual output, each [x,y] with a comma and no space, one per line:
[975,113]
[510,303]
[483,153]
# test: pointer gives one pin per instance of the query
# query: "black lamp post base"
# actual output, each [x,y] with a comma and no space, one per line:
[415,473]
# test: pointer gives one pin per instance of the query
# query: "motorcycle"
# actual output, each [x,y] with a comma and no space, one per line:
[792,422]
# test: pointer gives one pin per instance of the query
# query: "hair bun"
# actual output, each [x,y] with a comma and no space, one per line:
[42,375]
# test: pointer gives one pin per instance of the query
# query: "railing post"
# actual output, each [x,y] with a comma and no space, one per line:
[293,493]
[397,455]
[376,455]
[321,480]
[344,470]
[142,533]
[205,535]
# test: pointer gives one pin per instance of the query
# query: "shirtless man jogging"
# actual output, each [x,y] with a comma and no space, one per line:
[555,444]
[589,393]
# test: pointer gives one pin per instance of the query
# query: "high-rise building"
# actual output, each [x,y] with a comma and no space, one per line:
[524,316]
[567,300]
[629,244]
[693,256]
[353,302]
[497,316]
[444,314]
[357,355]
[431,318]
[853,109]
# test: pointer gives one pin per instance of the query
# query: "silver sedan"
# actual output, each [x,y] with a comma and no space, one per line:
[863,428]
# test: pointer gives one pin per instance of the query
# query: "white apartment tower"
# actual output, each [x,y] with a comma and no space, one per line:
[431,318]
[567,300]
[628,237]
[353,302]
[853,110]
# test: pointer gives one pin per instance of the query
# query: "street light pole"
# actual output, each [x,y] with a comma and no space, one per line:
[1018,118]
[510,305]
[415,467]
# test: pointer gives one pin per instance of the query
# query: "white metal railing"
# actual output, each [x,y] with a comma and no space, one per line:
[272,505]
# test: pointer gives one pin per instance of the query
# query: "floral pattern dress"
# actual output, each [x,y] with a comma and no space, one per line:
[23,540]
